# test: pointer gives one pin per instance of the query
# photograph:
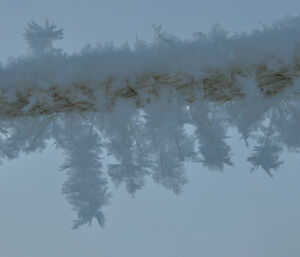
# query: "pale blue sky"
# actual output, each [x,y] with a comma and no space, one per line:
[231,214]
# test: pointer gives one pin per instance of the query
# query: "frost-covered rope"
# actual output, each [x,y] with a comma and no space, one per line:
[218,66]
[136,104]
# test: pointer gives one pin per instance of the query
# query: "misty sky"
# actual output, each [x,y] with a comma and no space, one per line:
[235,213]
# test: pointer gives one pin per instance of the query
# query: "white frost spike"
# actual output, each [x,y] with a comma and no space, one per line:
[211,134]
[266,156]
[40,38]
[267,153]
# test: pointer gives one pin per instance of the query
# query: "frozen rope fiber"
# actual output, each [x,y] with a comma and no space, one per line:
[216,67]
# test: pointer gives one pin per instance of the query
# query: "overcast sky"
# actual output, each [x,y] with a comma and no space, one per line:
[235,213]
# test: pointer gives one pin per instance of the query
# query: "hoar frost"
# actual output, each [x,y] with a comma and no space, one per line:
[136,103]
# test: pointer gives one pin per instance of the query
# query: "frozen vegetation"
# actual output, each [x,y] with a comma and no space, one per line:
[135,104]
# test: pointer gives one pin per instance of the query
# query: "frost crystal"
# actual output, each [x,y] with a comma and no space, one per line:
[135,105]
[40,38]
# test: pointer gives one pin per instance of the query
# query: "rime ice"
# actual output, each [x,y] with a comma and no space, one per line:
[135,103]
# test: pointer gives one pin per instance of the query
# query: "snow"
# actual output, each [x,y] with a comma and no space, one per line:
[135,104]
